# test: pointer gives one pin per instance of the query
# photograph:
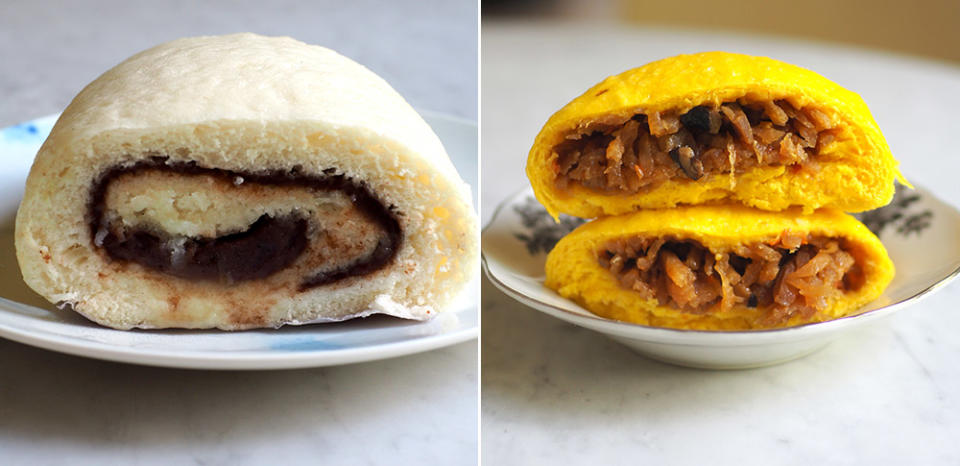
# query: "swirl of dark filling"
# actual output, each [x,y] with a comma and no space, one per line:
[269,245]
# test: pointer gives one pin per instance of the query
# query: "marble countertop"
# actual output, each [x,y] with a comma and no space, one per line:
[57,409]
[554,393]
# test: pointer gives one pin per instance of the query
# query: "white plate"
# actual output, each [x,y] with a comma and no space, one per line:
[918,230]
[28,318]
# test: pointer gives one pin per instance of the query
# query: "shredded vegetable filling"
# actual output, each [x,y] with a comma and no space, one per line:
[793,275]
[648,149]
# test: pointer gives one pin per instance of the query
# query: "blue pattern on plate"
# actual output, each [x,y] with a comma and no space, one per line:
[30,132]
[302,343]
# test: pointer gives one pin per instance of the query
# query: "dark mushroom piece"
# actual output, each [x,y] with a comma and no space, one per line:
[702,119]
[687,159]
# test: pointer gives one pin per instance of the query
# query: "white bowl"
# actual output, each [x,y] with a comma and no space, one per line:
[919,231]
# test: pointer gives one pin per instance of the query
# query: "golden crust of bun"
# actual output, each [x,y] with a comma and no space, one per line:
[574,272]
[856,172]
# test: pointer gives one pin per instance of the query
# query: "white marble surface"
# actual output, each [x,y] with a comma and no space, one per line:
[58,409]
[50,49]
[556,393]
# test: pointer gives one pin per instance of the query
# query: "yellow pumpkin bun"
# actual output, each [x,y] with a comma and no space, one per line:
[721,268]
[712,127]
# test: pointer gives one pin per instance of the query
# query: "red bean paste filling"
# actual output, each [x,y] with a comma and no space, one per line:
[794,275]
[648,149]
[269,245]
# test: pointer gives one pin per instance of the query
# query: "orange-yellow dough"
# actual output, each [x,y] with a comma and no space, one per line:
[574,271]
[853,173]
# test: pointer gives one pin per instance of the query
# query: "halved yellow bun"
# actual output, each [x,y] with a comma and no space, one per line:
[850,169]
[579,267]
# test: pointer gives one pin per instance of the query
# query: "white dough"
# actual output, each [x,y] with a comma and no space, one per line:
[243,103]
